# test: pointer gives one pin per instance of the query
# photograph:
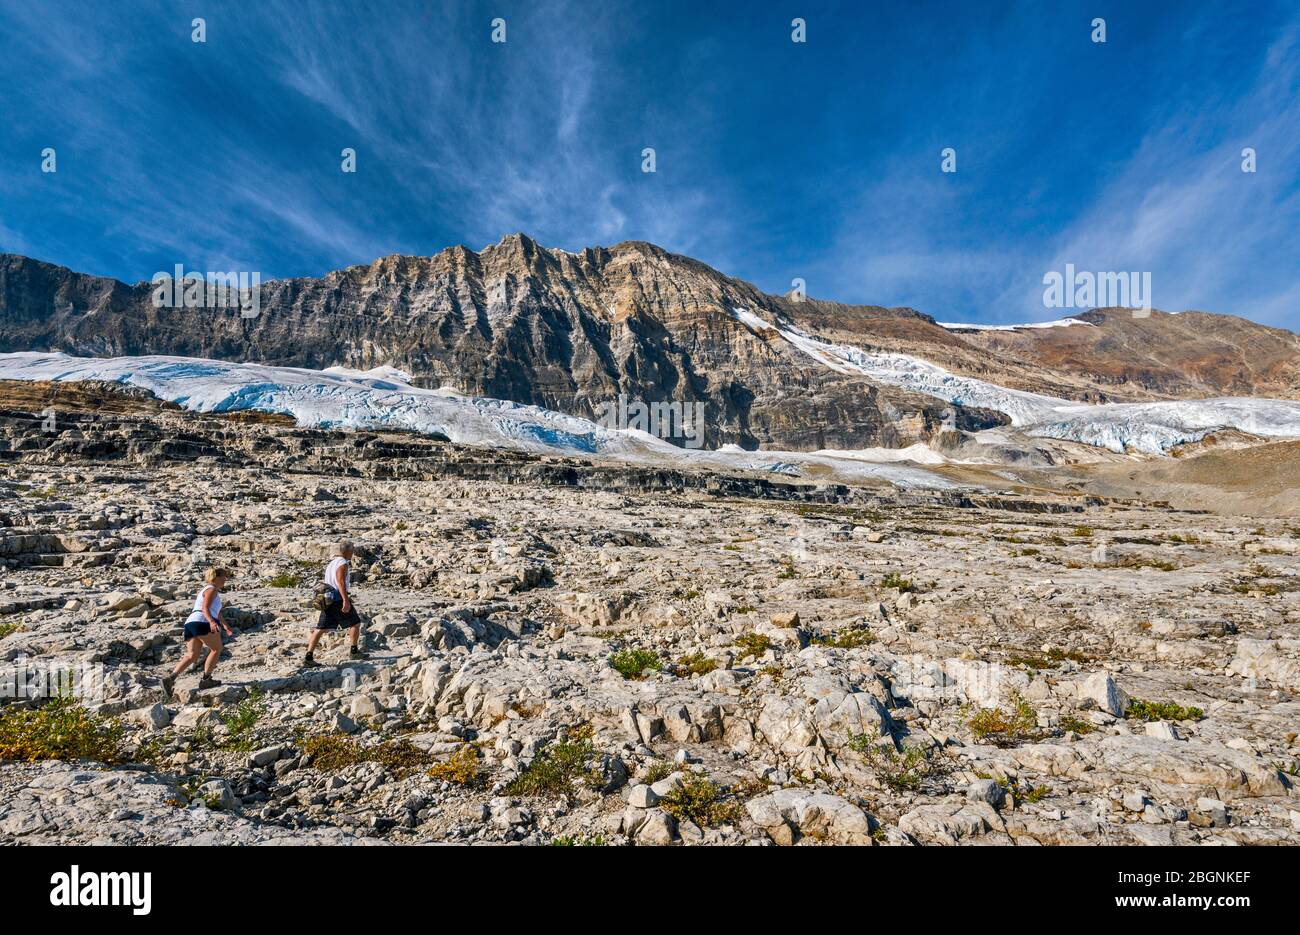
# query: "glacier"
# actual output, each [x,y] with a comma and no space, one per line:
[383,398]
[1150,428]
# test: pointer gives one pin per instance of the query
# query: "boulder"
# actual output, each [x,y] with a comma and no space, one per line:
[1100,689]
[788,815]
[658,829]
[987,791]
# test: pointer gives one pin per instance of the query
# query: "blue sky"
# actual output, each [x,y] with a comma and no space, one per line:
[775,160]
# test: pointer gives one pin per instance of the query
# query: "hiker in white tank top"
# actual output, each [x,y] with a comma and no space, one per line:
[202,628]
[339,613]
[339,563]
[201,604]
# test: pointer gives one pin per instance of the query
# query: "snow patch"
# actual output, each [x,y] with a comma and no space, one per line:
[918,453]
[1059,323]
[751,321]
[382,373]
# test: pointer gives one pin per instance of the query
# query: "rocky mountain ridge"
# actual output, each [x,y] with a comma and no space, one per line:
[574,331]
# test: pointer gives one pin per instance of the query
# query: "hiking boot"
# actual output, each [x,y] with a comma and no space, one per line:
[208,682]
[168,686]
[356,653]
[309,662]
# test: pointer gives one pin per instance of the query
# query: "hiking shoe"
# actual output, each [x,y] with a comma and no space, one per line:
[168,686]
[208,682]
[309,662]
[355,653]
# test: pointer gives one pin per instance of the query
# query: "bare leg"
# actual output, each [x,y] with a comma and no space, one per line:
[191,656]
[213,642]
[354,633]
[313,640]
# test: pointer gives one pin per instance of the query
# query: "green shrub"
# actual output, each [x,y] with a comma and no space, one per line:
[286,580]
[1140,710]
[60,729]
[898,582]
[243,719]
[1070,723]
[1035,794]
[752,645]
[1048,660]
[559,767]
[461,768]
[701,800]
[8,628]
[901,772]
[657,771]
[697,664]
[1005,727]
[634,663]
[850,638]
[333,751]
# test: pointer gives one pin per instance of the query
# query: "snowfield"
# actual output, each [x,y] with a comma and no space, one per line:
[341,398]
[1151,428]
[1059,323]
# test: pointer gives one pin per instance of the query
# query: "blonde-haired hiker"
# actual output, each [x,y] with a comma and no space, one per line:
[201,629]
[337,609]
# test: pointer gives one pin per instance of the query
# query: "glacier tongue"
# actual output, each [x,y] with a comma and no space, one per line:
[336,398]
[384,399]
[1152,428]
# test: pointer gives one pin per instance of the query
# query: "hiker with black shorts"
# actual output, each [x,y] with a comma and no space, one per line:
[334,599]
[202,628]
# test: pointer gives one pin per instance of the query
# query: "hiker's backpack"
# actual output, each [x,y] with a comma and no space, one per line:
[320,597]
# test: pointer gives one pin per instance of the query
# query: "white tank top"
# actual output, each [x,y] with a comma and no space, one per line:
[197,614]
[332,572]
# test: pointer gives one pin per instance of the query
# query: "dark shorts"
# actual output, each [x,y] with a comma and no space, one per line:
[197,628]
[333,617]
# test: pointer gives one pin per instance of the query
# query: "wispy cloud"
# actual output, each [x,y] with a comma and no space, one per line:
[510,136]
[775,161]
[1214,237]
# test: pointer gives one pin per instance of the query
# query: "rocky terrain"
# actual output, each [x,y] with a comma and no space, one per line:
[572,331]
[563,651]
